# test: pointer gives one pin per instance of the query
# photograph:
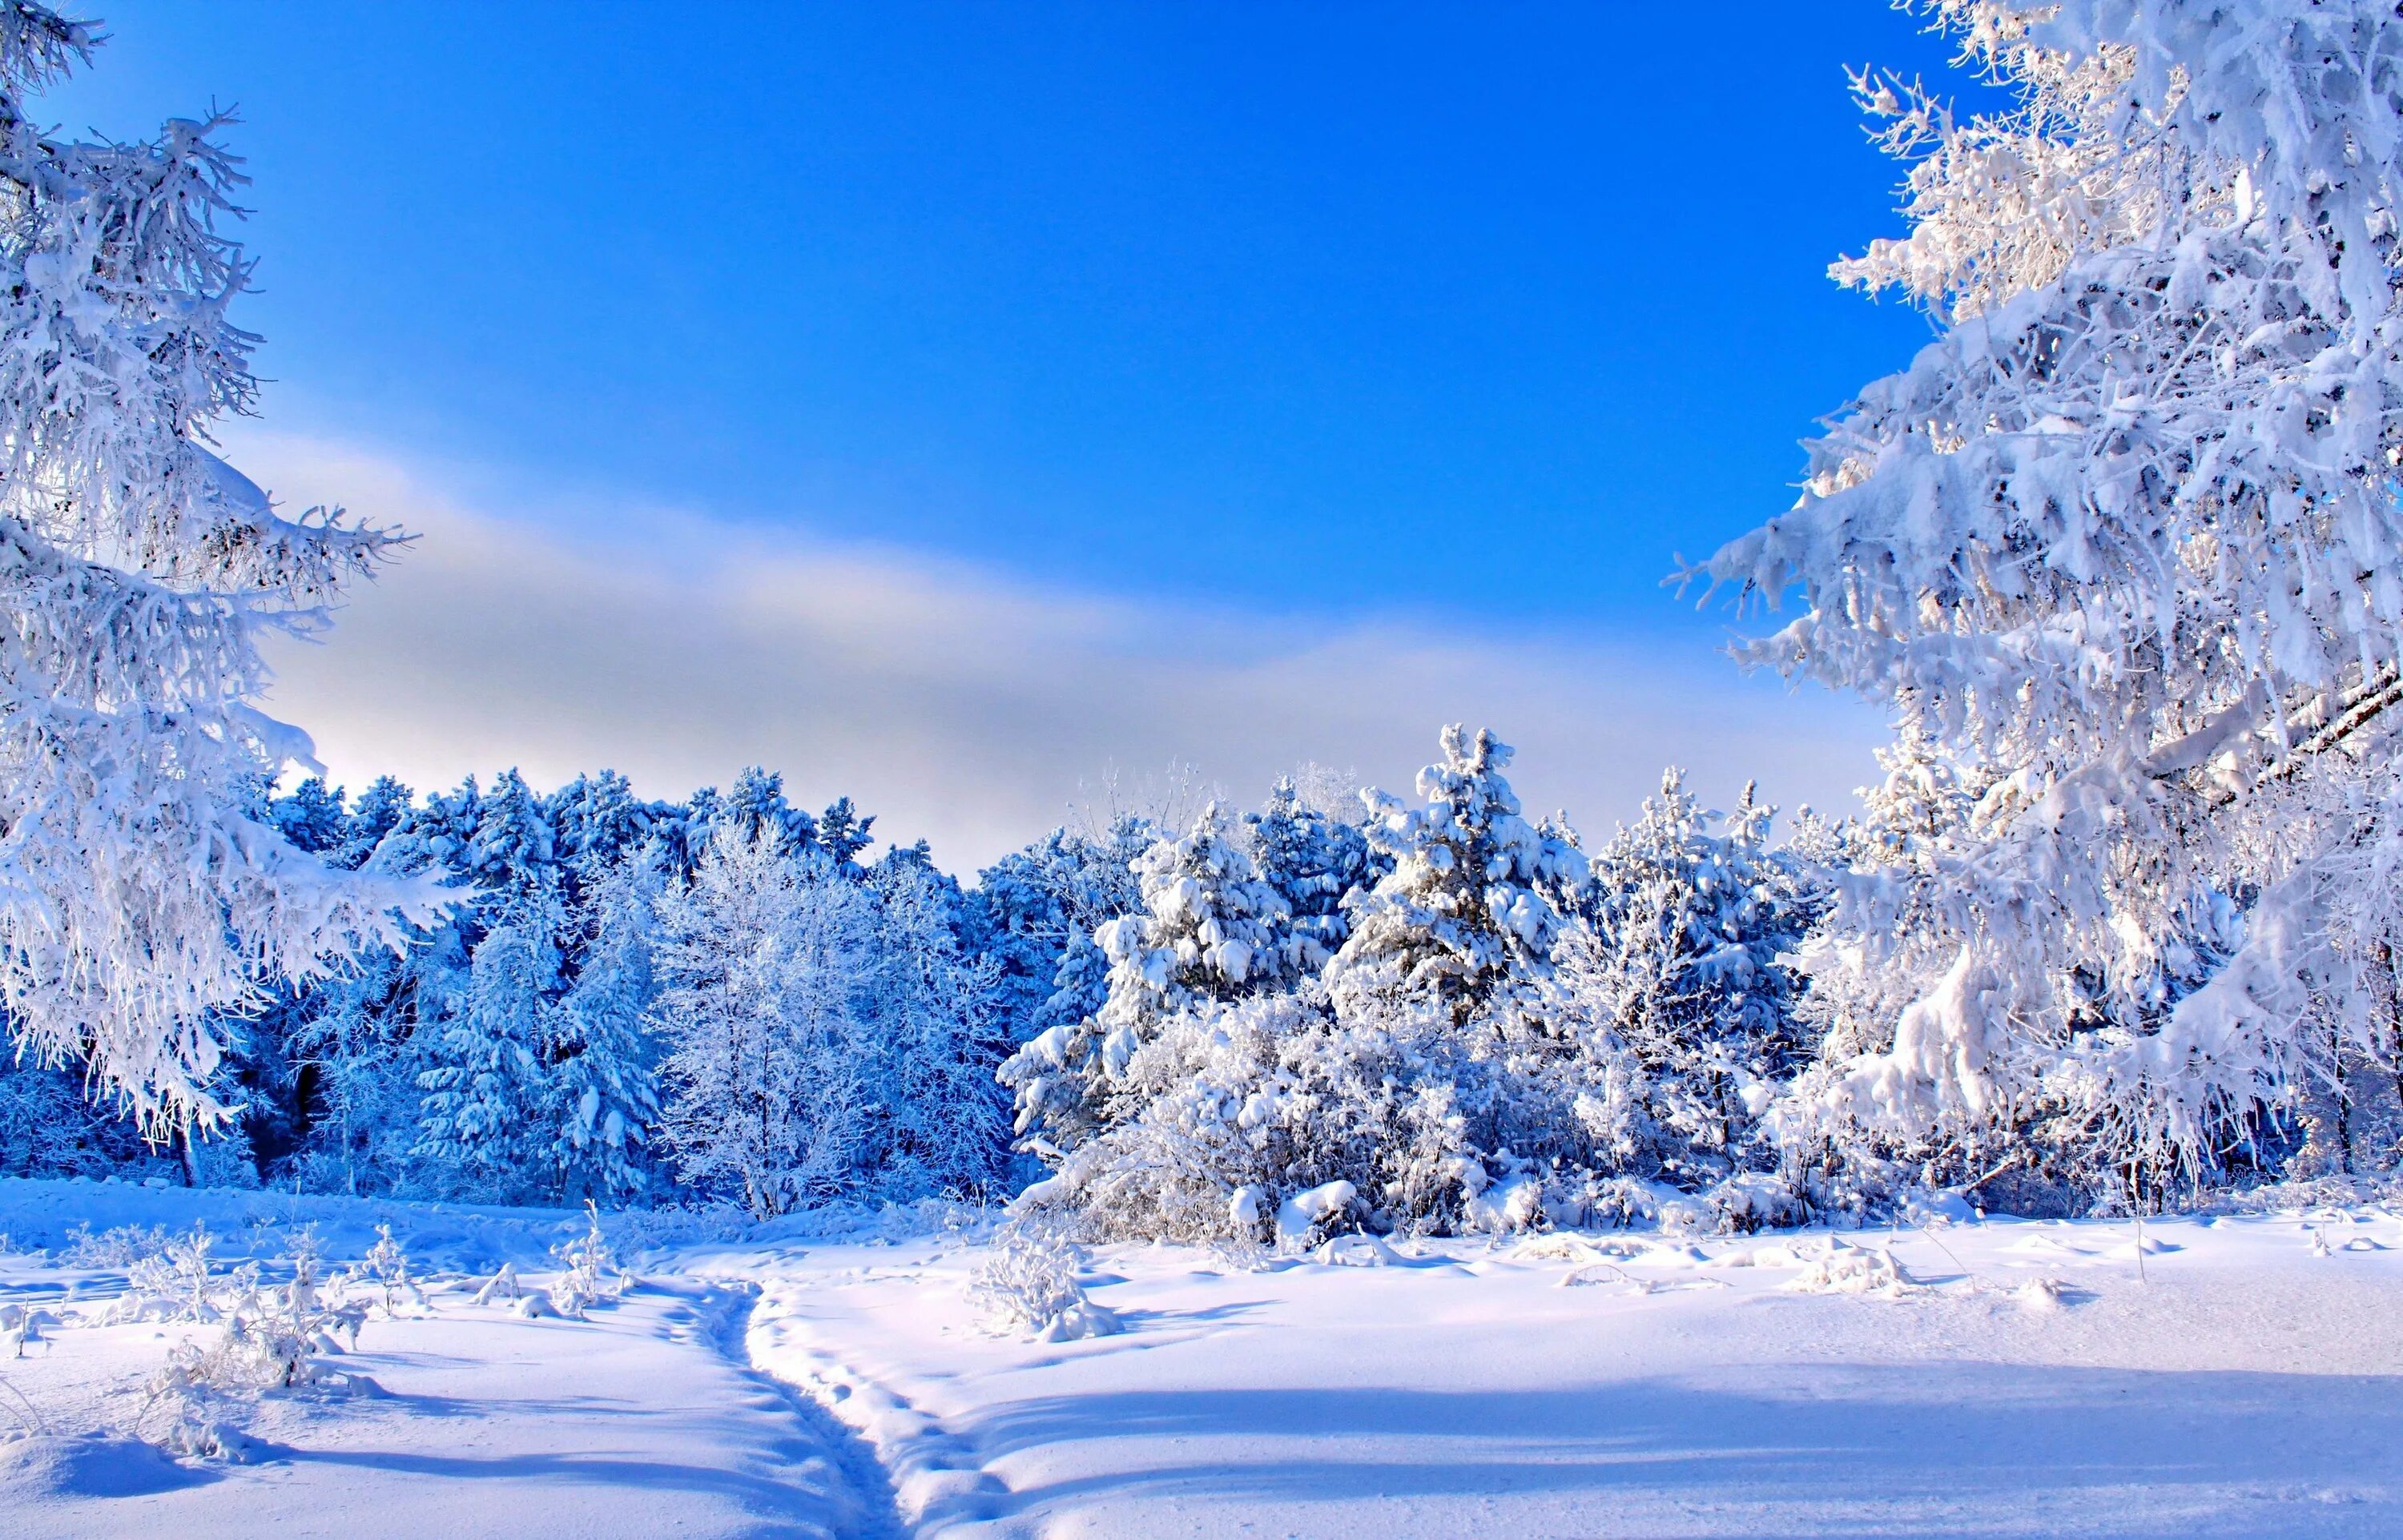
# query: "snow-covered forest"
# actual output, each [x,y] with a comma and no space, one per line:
[2110,938]
[2120,549]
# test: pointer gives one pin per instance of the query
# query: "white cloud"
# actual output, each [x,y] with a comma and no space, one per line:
[952,703]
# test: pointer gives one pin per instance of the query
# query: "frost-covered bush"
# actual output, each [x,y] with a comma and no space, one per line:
[1274,1095]
[121,1247]
[589,1275]
[385,1269]
[1026,1285]
[176,1282]
[192,1404]
[267,1341]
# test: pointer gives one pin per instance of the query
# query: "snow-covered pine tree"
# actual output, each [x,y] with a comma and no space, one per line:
[483,1131]
[2125,535]
[1460,923]
[434,835]
[487,1075]
[363,1039]
[1036,909]
[756,805]
[598,820]
[514,849]
[604,1088]
[684,831]
[843,832]
[1676,989]
[1915,826]
[312,816]
[1314,863]
[1019,914]
[768,969]
[1209,931]
[140,903]
[1434,1087]
[378,812]
[940,1037]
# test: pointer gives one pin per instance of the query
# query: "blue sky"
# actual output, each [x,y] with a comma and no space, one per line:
[1463,319]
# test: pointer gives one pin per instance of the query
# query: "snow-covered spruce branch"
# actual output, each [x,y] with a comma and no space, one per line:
[2140,487]
[141,907]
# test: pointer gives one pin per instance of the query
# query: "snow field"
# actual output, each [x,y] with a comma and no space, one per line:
[1979,1379]
[479,1418]
[2005,1378]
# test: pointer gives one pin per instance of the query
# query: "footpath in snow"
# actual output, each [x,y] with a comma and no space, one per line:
[641,1420]
[2239,1378]
[2007,1379]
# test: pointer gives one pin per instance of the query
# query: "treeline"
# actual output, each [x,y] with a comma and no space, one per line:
[1432,1014]
[627,1001]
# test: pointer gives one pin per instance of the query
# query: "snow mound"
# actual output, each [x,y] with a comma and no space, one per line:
[2041,1296]
[1079,1321]
[1356,1250]
[1846,1269]
[2128,1251]
[96,1464]
[1572,1248]
[1299,1216]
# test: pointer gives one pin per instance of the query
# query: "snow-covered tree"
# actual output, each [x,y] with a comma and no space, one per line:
[598,820]
[1461,918]
[50,1127]
[603,1087]
[1209,930]
[514,849]
[1435,1082]
[142,905]
[434,835]
[843,832]
[483,1131]
[2125,537]
[313,816]
[757,806]
[939,1039]
[378,812]
[1915,826]
[768,966]
[1676,990]
[1037,910]
[1314,862]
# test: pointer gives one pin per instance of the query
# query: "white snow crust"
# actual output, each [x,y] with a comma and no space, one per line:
[2235,1375]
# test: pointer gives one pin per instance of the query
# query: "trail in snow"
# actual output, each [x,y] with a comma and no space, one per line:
[2007,1379]
[875,1513]
[629,1425]
[638,1421]
[2002,1380]
[936,1480]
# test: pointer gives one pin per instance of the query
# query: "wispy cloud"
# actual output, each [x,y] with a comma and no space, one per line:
[957,703]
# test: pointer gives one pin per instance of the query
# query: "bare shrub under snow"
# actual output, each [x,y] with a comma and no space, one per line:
[591,1275]
[271,1339]
[1027,1287]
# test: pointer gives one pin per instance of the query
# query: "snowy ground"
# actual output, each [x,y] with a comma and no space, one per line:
[1994,1379]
